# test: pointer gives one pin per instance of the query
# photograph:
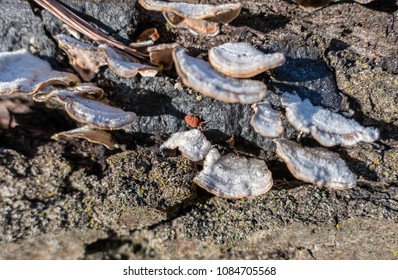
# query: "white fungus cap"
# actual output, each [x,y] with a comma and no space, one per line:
[242,60]
[90,111]
[327,127]
[266,121]
[233,176]
[202,77]
[316,166]
[22,72]
[223,13]
[192,144]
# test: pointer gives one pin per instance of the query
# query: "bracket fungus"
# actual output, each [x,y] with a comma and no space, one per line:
[84,58]
[22,72]
[162,54]
[316,166]
[223,13]
[233,176]
[150,34]
[122,66]
[87,59]
[90,134]
[327,127]
[202,77]
[90,111]
[242,60]
[311,5]
[362,1]
[88,90]
[200,19]
[145,39]
[192,144]
[266,121]
[195,26]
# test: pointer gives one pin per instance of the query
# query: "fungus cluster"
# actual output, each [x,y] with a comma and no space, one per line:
[201,76]
[22,72]
[87,59]
[228,62]
[231,175]
[315,166]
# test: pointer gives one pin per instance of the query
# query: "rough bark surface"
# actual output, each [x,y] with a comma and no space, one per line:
[76,200]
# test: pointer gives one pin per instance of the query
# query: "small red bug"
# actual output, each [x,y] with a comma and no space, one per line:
[194,121]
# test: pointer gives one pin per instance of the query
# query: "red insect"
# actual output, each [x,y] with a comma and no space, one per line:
[194,121]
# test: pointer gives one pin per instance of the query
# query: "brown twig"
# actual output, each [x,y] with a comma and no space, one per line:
[82,26]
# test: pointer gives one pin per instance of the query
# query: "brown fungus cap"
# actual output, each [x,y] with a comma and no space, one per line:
[202,77]
[195,26]
[88,133]
[148,34]
[122,66]
[242,60]
[145,39]
[84,58]
[316,166]
[22,72]
[233,176]
[162,54]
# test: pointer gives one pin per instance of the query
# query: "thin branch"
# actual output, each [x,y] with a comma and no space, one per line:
[82,26]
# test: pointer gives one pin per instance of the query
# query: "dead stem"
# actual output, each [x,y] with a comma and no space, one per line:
[74,21]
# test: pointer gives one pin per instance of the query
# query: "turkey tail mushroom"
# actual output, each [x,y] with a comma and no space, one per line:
[242,60]
[316,166]
[233,176]
[22,72]
[327,127]
[202,77]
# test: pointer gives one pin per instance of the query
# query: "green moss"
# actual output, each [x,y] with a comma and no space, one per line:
[152,181]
